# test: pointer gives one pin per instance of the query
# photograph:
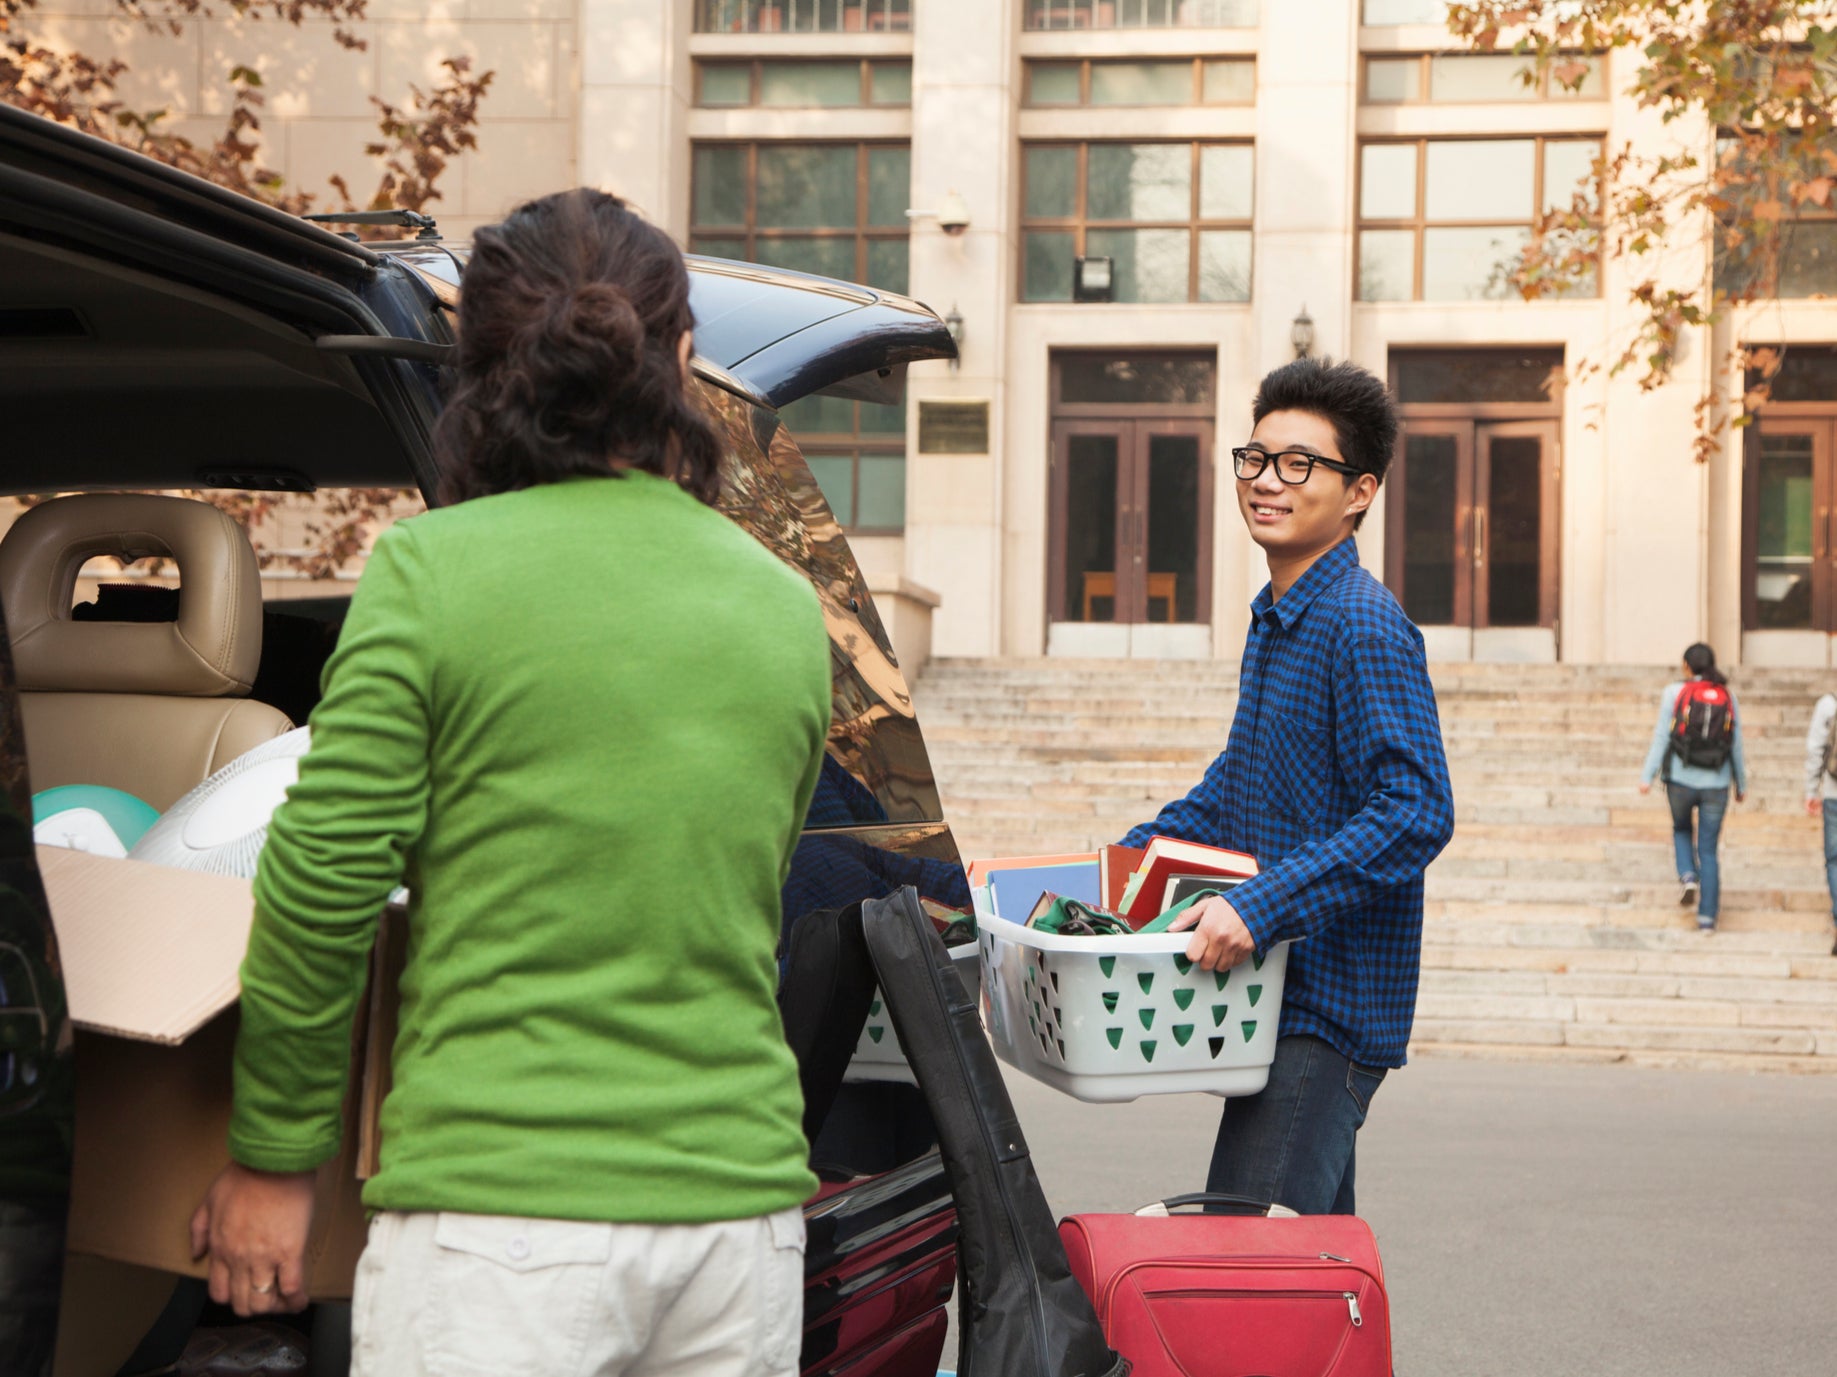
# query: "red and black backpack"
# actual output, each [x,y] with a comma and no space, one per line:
[1703,725]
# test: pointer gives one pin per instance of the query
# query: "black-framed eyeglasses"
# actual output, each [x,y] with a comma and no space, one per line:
[1293,466]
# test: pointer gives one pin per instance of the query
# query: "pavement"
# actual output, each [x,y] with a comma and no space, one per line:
[1544,1219]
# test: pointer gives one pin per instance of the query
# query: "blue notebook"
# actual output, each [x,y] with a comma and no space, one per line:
[1017,891]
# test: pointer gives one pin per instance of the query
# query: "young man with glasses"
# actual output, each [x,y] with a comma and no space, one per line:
[1333,777]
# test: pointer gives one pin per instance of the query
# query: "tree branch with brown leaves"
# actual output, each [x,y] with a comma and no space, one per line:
[1762,76]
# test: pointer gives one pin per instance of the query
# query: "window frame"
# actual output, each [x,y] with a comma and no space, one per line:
[1081,15]
[875,16]
[756,79]
[1080,223]
[1418,220]
[1546,87]
[750,234]
[1195,93]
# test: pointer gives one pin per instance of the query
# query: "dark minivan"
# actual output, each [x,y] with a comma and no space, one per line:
[160,334]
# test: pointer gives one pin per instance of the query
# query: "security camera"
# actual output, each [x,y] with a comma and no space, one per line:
[953,215]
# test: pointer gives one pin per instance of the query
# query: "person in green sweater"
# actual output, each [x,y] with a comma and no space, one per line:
[581,715]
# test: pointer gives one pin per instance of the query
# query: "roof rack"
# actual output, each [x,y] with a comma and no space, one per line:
[401,219]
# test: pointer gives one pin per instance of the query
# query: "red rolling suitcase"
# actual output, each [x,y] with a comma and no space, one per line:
[1210,1295]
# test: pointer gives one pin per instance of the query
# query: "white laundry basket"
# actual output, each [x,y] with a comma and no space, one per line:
[1114,1018]
[878,1055]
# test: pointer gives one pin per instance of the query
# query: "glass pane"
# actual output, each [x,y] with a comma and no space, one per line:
[1173,528]
[1140,181]
[1783,535]
[806,186]
[1406,11]
[1226,181]
[1593,85]
[1462,376]
[810,83]
[891,83]
[1052,183]
[1142,83]
[1387,265]
[1046,270]
[1567,166]
[1389,80]
[1052,83]
[880,501]
[824,257]
[1151,265]
[1387,181]
[1807,373]
[1480,179]
[1471,264]
[889,186]
[718,248]
[878,418]
[727,83]
[1224,265]
[1429,515]
[1514,532]
[1105,379]
[835,475]
[720,185]
[1808,258]
[1230,83]
[1090,529]
[815,415]
[887,264]
[1480,77]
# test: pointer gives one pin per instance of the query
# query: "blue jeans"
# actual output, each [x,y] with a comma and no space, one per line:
[1293,1143]
[1697,860]
[1830,851]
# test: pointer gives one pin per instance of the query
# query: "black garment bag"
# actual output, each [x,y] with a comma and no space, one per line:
[1020,1313]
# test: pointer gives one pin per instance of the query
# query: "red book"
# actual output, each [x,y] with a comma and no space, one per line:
[1115,864]
[1167,857]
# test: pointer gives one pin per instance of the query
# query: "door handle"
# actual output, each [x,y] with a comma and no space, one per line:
[1479,535]
[1821,538]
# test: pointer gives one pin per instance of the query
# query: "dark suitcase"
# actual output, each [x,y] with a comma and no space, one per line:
[1211,1295]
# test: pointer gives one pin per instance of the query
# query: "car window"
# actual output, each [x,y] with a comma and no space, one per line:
[873,734]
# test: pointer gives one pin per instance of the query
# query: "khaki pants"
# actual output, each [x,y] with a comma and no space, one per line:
[467,1295]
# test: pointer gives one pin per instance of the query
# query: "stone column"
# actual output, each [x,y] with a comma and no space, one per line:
[636,88]
[964,74]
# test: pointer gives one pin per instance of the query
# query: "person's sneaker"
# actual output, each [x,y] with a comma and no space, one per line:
[1706,926]
[1688,894]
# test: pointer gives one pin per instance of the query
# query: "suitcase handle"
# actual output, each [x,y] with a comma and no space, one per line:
[1240,1204]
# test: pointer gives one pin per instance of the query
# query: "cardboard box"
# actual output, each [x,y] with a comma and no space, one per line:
[151,957]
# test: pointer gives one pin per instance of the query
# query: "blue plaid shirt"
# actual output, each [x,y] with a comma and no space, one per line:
[1334,778]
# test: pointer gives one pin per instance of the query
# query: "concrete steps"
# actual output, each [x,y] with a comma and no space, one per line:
[1551,927]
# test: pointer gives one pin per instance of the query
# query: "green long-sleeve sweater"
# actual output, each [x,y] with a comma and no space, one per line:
[583,722]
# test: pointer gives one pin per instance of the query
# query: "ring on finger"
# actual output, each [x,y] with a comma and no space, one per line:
[263,1289]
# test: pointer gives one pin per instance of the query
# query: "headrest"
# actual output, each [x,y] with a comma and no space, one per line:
[211,651]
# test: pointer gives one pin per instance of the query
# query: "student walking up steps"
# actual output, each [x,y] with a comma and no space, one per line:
[1696,750]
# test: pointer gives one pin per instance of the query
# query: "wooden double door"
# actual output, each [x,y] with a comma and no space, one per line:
[1131,522]
[1472,536]
[1789,545]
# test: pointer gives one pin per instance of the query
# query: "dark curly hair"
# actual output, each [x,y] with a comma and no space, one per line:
[1351,400]
[571,314]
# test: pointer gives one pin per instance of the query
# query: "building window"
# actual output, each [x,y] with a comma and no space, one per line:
[834,209]
[857,453]
[1477,78]
[1797,257]
[1143,14]
[1174,219]
[1171,81]
[803,16]
[1446,219]
[805,84]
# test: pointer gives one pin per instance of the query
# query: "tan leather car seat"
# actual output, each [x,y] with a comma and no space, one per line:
[150,707]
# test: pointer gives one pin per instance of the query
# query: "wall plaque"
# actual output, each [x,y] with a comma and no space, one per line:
[952,427]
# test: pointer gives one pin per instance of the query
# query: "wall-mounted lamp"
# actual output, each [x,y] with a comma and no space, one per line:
[1301,333]
[1093,278]
[953,326]
[952,214]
